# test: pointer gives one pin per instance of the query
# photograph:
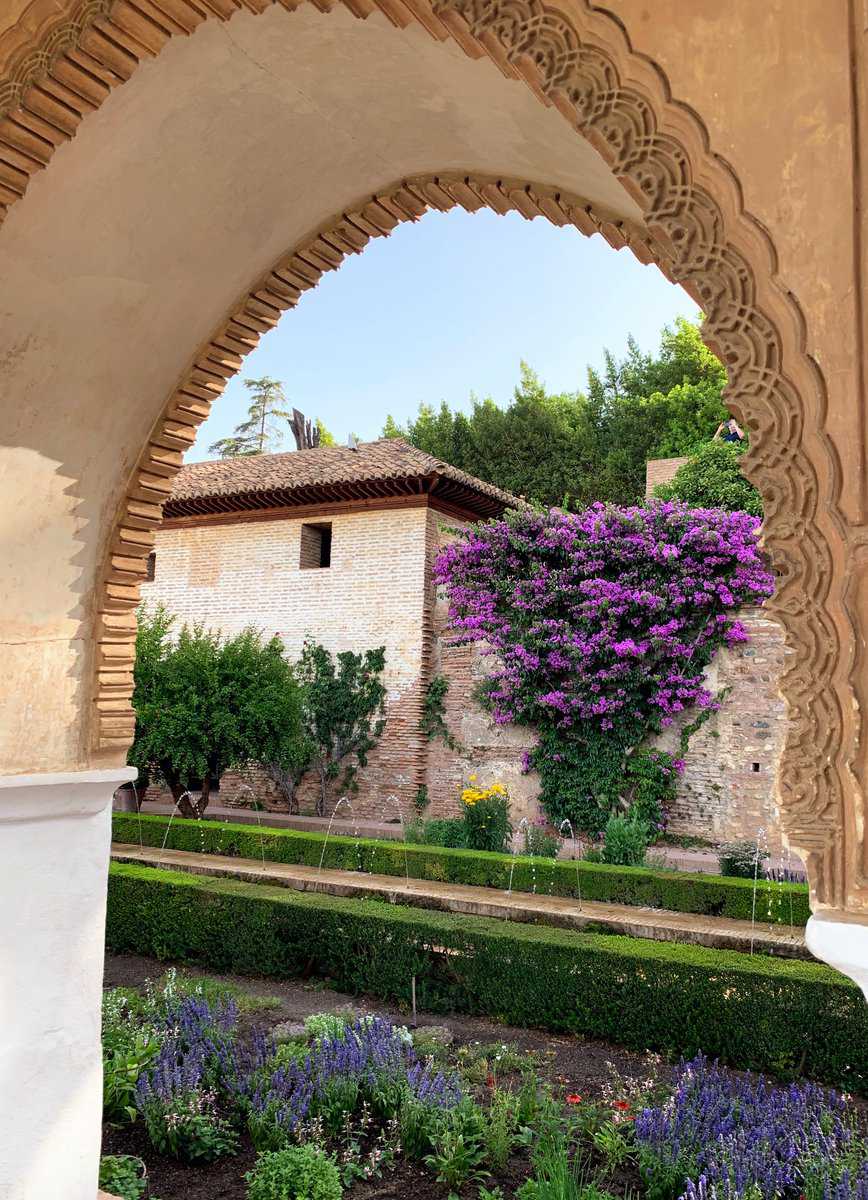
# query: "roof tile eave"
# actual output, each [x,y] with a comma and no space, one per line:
[327,468]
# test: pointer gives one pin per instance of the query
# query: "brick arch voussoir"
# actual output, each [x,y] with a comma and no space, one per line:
[578,58]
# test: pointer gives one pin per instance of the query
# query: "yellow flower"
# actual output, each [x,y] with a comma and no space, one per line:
[497,789]
[472,778]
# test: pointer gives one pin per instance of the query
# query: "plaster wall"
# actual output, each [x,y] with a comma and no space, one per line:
[772,83]
[54,850]
[174,197]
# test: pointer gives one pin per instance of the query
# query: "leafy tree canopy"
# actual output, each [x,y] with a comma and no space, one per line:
[205,703]
[712,478]
[343,712]
[573,448]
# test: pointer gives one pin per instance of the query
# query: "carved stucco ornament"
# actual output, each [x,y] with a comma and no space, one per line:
[578,59]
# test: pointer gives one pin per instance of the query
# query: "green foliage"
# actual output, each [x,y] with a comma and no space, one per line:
[643,886]
[206,703]
[421,800]
[295,1173]
[183,1130]
[319,1026]
[626,840]
[641,993]
[539,842]
[122,1175]
[712,478]
[573,448]
[741,860]
[487,825]
[261,432]
[433,720]
[343,706]
[128,1048]
[443,831]
[596,774]
[458,1151]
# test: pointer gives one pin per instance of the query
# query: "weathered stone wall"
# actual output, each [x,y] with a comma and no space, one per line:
[493,752]
[232,574]
[727,789]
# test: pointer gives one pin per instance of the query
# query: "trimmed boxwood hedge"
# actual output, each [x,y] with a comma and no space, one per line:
[678,891]
[779,1015]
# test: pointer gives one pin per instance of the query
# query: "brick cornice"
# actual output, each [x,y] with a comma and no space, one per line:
[63,58]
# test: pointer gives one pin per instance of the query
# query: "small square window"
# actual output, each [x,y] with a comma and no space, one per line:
[316,547]
[151,568]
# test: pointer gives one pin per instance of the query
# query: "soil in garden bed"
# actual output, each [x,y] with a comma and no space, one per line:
[579,1065]
[224,1180]
[570,1063]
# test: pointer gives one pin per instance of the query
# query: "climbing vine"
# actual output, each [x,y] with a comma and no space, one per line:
[603,623]
[433,719]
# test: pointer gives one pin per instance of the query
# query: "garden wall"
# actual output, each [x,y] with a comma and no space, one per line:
[727,789]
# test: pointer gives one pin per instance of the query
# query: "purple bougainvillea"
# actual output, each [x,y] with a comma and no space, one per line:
[602,621]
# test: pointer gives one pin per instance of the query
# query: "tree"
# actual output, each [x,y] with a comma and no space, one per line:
[343,712]
[205,703]
[260,433]
[573,448]
[712,478]
[325,438]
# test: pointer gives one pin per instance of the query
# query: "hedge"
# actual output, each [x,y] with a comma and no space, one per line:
[678,891]
[779,1015]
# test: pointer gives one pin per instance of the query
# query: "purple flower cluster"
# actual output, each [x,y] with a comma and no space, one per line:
[370,1055]
[179,1093]
[196,1050]
[605,613]
[726,1138]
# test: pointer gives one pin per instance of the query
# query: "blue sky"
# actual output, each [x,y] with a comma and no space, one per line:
[445,307]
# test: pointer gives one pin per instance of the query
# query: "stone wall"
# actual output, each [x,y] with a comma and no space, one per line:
[728,786]
[727,790]
[232,574]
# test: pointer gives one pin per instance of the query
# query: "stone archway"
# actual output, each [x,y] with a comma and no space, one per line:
[674,201]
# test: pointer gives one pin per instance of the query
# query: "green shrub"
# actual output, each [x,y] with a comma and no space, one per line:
[741,860]
[122,1175]
[296,1173]
[756,1012]
[444,831]
[540,843]
[625,843]
[486,824]
[710,895]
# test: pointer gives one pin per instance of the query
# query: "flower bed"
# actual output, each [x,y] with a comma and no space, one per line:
[711,895]
[358,1106]
[755,1012]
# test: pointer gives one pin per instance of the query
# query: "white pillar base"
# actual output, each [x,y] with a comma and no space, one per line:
[55,832]
[841,943]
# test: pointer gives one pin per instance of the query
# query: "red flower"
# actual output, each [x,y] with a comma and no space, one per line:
[574,1098]
[621,1105]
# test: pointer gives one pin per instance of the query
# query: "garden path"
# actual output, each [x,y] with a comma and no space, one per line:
[662,925]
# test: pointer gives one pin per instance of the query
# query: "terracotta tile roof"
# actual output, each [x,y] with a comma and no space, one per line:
[387,467]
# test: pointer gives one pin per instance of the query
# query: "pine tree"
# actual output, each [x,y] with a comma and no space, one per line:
[260,433]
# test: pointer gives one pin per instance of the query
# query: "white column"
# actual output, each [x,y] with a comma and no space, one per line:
[55,832]
[842,942]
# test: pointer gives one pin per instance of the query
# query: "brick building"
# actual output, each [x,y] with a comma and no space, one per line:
[338,544]
[333,543]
